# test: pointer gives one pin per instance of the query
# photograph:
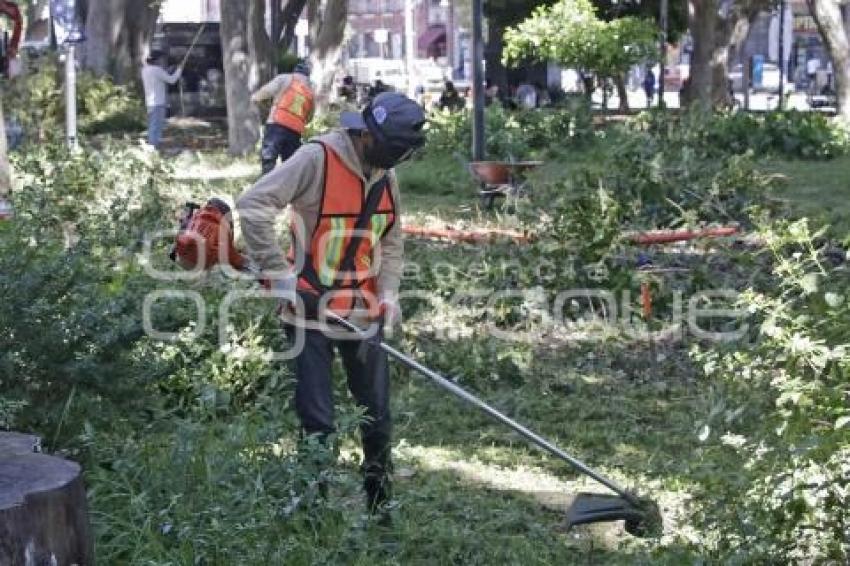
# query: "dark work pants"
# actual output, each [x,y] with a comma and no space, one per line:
[369,383]
[279,142]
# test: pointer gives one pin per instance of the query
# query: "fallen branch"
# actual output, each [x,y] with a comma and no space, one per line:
[670,236]
[483,235]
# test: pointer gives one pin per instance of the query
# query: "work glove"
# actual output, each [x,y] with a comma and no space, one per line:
[284,289]
[390,310]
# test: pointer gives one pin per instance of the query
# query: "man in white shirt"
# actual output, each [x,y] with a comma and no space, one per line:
[154,79]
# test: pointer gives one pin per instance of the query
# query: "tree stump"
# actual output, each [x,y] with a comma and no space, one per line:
[43,510]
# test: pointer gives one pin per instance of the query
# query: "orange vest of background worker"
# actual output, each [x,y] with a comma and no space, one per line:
[291,111]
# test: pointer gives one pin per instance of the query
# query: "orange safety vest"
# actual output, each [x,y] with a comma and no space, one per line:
[295,106]
[332,264]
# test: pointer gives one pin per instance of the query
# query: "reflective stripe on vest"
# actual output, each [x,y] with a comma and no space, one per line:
[343,201]
[295,106]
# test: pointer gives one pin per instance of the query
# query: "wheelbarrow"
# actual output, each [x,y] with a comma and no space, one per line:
[499,179]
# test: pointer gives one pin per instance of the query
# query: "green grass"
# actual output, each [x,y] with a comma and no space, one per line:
[216,485]
[819,190]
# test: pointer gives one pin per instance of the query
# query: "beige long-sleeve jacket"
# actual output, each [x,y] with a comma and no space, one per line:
[298,183]
[274,89]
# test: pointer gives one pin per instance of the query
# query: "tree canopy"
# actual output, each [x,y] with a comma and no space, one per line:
[571,33]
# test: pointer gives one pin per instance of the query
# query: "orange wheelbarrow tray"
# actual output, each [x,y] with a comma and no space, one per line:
[500,178]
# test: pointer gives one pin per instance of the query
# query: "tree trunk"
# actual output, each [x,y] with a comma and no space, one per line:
[101,36]
[327,48]
[241,77]
[622,92]
[260,45]
[288,20]
[827,16]
[118,34]
[5,169]
[702,22]
[717,33]
[496,72]
[140,21]
[314,19]
[34,10]
[43,510]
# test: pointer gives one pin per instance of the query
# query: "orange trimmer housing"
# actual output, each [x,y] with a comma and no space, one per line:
[206,237]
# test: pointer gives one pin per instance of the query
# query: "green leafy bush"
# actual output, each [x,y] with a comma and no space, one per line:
[106,107]
[781,483]
[71,287]
[805,135]
[36,101]
[510,135]
[671,179]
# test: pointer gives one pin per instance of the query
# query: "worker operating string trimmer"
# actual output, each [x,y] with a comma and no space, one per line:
[347,243]
[347,249]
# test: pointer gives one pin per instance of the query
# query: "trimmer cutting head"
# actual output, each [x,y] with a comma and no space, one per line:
[642,521]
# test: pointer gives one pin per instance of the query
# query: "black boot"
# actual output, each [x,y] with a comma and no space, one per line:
[378,486]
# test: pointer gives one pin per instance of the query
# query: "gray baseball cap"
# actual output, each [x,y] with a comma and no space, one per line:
[392,117]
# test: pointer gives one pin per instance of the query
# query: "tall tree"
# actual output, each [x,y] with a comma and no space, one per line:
[247,53]
[827,16]
[34,11]
[717,28]
[327,32]
[118,34]
[5,169]
[571,34]
[290,13]
[500,15]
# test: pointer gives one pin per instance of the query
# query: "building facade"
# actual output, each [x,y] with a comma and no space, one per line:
[190,11]
[803,47]
[378,31]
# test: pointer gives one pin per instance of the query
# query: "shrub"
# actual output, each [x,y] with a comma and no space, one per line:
[806,135]
[107,107]
[36,101]
[779,485]
[71,290]
[510,135]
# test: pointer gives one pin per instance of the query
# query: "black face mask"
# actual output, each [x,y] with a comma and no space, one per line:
[386,156]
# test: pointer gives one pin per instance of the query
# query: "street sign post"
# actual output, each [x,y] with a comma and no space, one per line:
[69,32]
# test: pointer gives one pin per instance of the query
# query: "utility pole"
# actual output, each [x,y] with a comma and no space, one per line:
[662,62]
[477,80]
[409,46]
[782,55]
[71,95]
[450,36]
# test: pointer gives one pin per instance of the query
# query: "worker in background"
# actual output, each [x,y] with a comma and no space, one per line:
[335,185]
[348,93]
[649,86]
[154,79]
[450,98]
[292,109]
[377,88]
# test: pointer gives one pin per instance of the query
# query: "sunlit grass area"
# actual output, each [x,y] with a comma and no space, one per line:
[817,189]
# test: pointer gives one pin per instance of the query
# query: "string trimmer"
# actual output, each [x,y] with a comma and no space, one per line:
[202,229]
